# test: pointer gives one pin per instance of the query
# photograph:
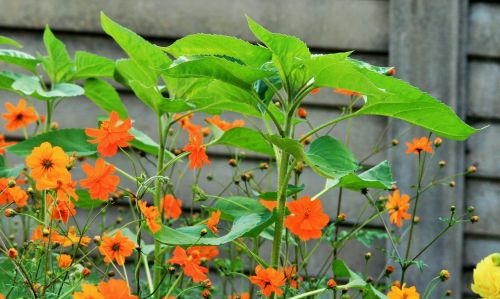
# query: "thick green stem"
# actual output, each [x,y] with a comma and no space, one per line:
[157,199]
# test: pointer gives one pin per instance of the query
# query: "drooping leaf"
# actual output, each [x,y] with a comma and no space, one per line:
[216,68]
[70,140]
[85,201]
[377,177]
[7,78]
[58,63]
[30,85]
[149,56]
[9,41]
[341,270]
[20,59]
[191,235]
[245,138]
[219,45]
[89,65]
[144,143]
[104,96]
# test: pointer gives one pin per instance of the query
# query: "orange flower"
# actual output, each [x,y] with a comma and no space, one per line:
[20,116]
[315,91]
[346,92]
[403,293]
[398,207]
[116,248]
[206,253]
[64,261]
[213,221]
[240,296]
[190,264]
[4,144]
[152,216]
[302,112]
[115,289]
[64,187]
[269,204]
[113,133]
[89,291]
[12,194]
[100,180]
[224,125]
[47,164]
[307,218]
[197,156]
[61,209]
[172,207]
[46,235]
[419,145]
[291,276]
[269,280]
[72,239]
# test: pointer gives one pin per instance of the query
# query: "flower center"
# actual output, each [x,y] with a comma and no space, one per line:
[47,163]
[116,247]
[19,116]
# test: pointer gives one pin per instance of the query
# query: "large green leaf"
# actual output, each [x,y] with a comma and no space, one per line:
[412,105]
[104,96]
[19,58]
[377,177]
[245,138]
[7,78]
[149,56]
[58,63]
[340,270]
[9,41]
[219,45]
[289,52]
[216,68]
[70,140]
[90,65]
[191,235]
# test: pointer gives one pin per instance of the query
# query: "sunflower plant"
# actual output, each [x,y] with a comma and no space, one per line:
[58,240]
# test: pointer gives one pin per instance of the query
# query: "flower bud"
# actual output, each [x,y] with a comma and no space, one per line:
[369,279]
[299,167]
[392,72]
[452,184]
[171,269]
[118,220]
[341,217]
[389,270]
[11,183]
[302,113]
[472,169]
[45,232]
[247,176]
[9,213]
[86,272]
[453,208]
[396,283]
[205,131]
[448,293]
[438,141]
[444,275]
[111,273]
[232,162]
[442,163]
[54,125]
[263,166]
[203,232]
[416,220]
[331,283]
[12,253]
[206,293]
[394,142]
[474,219]
[97,239]
[368,255]
[471,209]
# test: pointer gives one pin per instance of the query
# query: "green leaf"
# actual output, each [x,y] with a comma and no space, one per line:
[90,65]
[58,63]
[19,58]
[104,96]
[149,56]
[236,206]
[289,52]
[290,190]
[191,235]
[85,201]
[9,41]
[70,140]
[30,85]
[8,78]
[383,70]
[219,45]
[144,143]
[414,106]
[216,68]
[377,177]
[245,138]
[11,172]
[340,270]
[327,156]
[334,70]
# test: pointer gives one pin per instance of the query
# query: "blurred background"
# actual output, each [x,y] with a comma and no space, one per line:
[450,48]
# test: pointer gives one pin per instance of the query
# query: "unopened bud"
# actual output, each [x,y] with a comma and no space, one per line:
[394,142]
[11,183]
[416,220]
[389,270]
[452,184]
[472,169]
[118,220]
[247,176]
[391,72]
[97,239]
[442,163]
[263,166]
[453,208]
[206,293]
[54,125]
[203,232]
[444,275]
[438,141]
[12,252]
[86,272]
[299,167]
[302,113]
[448,293]
[341,217]
[171,269]
[9,213]
[474,219]
[368,255]
[232,162]
[45,232]
[331,283]
[111,273]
